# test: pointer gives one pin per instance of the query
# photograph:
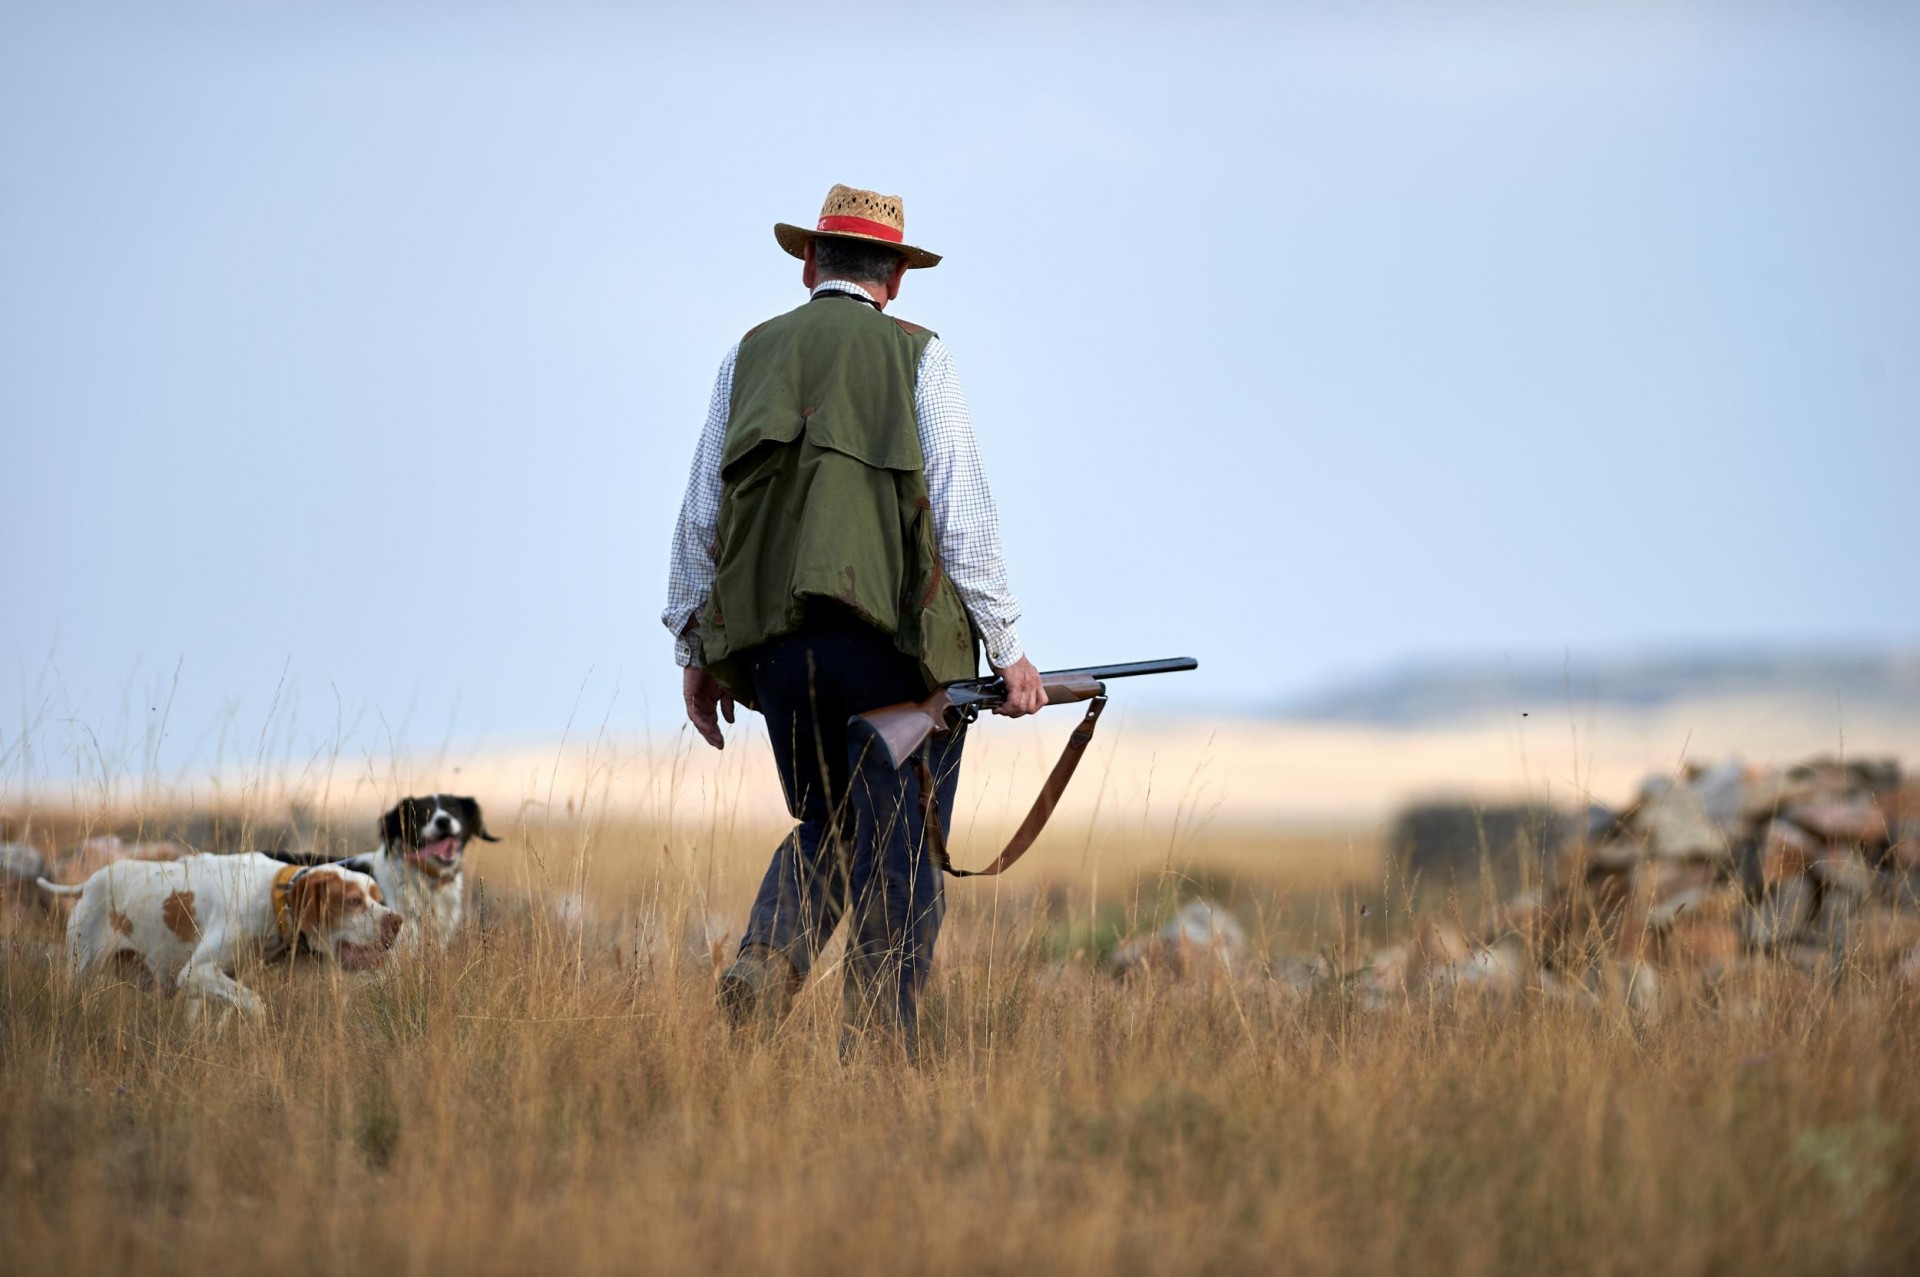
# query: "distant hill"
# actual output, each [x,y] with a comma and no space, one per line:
[1441,691]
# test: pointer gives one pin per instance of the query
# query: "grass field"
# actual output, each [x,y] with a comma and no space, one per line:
[558,1094]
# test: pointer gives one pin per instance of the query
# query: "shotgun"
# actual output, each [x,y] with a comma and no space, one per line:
[899,731]
[903,729]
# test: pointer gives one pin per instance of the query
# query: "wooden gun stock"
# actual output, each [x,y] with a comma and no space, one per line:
[902,729]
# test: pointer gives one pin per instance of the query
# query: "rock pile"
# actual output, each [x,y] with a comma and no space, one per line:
[19,866]
[1202,938]
[1710,872]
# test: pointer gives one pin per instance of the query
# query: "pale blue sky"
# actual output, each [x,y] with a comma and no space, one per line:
[368,343]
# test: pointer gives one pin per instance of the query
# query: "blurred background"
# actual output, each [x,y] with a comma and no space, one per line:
[1490,395]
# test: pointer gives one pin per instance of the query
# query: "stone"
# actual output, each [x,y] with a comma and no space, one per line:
[1762,797]
[1438,947]
[1810,959]
[1303,975]
[1879,937]
[1786,851]
[1584,913]
[1723,793]
[1501,967]
[1899,888]
[1563,991]
[1854,819]
[1201,938]
[20,863]
[19,866]
[1633,934]
[1875,775]
[1832,926]
[1205,925]
[690,939]
[1387,972]
[1781,915]
[1525,913]
[574,914]
[1615,856]
[1635,985]
[1839,869]
[1756,989]
[1677,827]
[1657,880]
[1813,780]
[1702,943]
[1602,823]
[1721,903]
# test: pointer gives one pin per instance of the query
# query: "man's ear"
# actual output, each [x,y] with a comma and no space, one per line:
[810,273]
[893,284]
[470,813]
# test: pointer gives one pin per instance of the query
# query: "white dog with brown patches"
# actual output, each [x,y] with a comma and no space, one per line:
[191,920]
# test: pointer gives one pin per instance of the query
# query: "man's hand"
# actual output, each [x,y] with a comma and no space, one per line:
[702,691]
[1023,689]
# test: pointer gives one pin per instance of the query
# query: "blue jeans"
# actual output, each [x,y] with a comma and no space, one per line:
[858,848]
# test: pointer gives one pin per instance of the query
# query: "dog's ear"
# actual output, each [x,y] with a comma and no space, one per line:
[391,823]
[316,899]
[401,826]
[471,817]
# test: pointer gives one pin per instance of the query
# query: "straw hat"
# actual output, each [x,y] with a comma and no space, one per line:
[856,214]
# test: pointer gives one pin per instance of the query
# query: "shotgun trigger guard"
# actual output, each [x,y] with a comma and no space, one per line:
[968,713]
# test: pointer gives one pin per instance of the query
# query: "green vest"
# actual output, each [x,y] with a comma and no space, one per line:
[824,493]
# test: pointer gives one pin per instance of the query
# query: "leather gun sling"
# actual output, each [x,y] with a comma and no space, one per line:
[1037,815]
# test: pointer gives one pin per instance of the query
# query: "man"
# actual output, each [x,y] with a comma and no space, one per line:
[837,551]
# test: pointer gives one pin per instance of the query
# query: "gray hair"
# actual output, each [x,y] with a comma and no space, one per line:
[855,260]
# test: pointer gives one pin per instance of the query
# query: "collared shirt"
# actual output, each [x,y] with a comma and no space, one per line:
[966,525]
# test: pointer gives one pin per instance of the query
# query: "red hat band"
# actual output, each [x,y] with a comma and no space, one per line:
[861,226]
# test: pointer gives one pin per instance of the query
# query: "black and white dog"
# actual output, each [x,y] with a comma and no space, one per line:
[423,844]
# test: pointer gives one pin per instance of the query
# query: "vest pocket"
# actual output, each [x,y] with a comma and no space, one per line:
[742,480]
[896,448]
[754,467]
[934,622]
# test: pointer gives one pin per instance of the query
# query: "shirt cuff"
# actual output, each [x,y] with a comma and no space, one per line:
[1003,645]
[686,639]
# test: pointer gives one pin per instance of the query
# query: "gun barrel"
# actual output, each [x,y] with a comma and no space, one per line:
[1130,669]
[988,691]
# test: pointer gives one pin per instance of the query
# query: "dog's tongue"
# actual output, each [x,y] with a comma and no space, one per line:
[442,850]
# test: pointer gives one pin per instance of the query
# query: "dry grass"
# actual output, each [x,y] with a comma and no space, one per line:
[547,1100]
